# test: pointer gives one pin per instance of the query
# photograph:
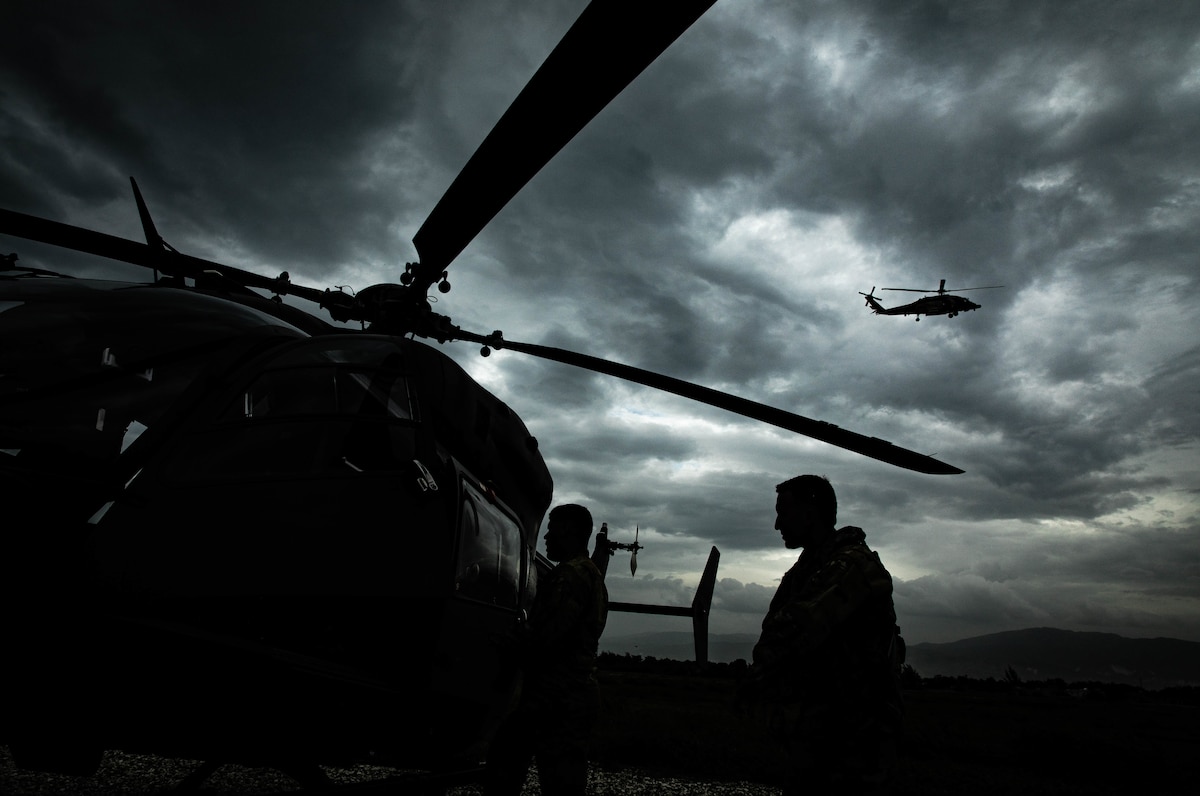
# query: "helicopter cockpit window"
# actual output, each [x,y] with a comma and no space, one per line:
[339,376]
[306,392]
[317,408]
[489,552]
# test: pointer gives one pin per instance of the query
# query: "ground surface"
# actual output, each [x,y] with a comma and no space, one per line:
[664,734]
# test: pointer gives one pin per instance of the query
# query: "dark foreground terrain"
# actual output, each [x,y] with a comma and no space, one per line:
[962,736]
[674,730]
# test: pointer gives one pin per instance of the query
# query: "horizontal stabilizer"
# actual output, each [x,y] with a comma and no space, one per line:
[698,610]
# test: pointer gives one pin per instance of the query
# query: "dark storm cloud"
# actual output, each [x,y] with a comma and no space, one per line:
[256,130]
[715,223]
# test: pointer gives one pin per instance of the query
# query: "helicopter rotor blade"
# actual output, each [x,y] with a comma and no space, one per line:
[607,47]
[101,244]
[176,264]
[166,260]
[873,447]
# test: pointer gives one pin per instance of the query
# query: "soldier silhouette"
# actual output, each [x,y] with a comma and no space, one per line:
[826,667]
[560,699]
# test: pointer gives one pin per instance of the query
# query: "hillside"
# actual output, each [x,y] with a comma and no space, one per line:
[1033,654]
[1047,653]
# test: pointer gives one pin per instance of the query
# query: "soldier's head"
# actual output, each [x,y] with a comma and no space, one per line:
[567,532]
[805,510]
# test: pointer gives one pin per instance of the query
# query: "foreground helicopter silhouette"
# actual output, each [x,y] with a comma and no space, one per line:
[251,535]
[943,303]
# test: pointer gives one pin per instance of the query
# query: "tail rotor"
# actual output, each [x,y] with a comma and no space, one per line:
[871,302]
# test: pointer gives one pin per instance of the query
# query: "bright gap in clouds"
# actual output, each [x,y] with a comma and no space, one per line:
[1071,317]
[786,245]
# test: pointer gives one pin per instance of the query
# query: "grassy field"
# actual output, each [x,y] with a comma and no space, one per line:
[1026,739]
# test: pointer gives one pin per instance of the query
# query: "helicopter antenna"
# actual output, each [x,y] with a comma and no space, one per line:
[153,239]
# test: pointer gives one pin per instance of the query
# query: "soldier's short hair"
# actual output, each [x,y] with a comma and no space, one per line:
[814,489]
[573,518]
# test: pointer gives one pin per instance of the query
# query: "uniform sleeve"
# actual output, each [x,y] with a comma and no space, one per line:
[561,609]
[806,618]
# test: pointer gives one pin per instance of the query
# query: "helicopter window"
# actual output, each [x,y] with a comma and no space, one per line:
[294,447]
[374,351]
[289,393]
[306,392]
[380,395]
[85,414]
[306,420]
[489,552]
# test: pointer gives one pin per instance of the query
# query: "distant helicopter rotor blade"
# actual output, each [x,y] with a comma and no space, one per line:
[873,447]
[607,47]
[940,290]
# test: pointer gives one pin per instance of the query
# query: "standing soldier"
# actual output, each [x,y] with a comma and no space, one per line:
[827,662]
[560,698]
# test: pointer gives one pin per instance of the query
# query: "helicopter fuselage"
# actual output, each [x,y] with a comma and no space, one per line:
[327,535]
[945,304]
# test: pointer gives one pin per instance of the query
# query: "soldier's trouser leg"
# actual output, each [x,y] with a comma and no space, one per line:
[509,755]
[563,745]
[855,764]
[839,752]
[562,771]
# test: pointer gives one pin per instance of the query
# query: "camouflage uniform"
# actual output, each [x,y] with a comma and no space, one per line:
[560,698]
[827,666]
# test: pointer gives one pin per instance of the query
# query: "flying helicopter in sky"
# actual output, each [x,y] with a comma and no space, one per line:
[943,302]
[253,535]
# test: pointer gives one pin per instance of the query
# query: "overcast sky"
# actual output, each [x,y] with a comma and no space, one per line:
[716,222]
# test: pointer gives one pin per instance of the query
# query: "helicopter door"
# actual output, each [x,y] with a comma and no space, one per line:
[489,561]
[477,660]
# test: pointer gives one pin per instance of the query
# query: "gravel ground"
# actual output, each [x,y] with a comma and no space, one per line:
[627,783]
[143,775]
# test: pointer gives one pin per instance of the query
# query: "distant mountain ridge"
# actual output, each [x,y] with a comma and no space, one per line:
[1041,653]
[1046,653]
